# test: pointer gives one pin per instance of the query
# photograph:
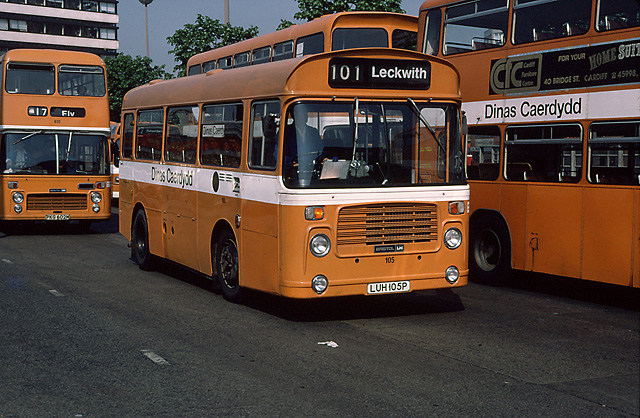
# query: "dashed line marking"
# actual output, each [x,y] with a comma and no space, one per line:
[7,261]
[155,358]
[56,293]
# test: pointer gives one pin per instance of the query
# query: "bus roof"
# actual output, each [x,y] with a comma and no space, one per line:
[429,4]
[53,56]
[287,77]
[346,19]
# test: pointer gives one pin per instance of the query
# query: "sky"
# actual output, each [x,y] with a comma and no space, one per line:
[166,16]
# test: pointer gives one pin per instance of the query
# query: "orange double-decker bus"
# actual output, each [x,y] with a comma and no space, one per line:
[339,173]
[327,33]
[550,89]
[54,130]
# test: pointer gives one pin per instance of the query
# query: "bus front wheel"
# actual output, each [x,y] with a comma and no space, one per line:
[490,250]
[140,241]
[227,267]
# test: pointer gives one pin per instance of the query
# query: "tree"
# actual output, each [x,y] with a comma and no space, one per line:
[203,35]
[124,73]
[312,9]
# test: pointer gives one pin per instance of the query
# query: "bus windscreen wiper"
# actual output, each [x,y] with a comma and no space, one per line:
[426,123]
[27,137]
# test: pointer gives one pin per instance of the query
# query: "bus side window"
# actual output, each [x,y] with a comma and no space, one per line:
[432,32]
[221,142]
[312,44]
[194,69]
[614,150]
[182,134]
[149,134]
[127,136]
[208,66]
[263,142]
[483,154]
[283,51]
[475,25]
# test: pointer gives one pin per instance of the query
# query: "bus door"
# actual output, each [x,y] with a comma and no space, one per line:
[259,193]
[180,198]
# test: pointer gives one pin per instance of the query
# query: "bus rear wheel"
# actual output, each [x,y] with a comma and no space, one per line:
[227,267]
[140,241]
[490,250]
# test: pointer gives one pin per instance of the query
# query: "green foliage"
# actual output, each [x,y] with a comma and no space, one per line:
[203,35]
[124,73]
[312,9]
[284,23]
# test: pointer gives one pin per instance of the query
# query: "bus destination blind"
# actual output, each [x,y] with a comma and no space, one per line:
[371,73]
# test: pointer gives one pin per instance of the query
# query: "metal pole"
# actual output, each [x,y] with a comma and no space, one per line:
[226,11]
[146,25]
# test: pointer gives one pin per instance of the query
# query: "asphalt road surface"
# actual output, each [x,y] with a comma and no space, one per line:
[85,333]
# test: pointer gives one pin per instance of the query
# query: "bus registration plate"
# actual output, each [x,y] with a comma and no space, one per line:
[57,217]
[388,287]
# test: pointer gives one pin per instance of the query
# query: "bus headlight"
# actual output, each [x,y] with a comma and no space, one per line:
[320,245]
[319,284]
[96,197]
[452,274]
[17,208]
[18,197]
[96,207]
[452,238]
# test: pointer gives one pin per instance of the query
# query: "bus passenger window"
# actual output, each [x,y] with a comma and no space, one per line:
[346,38]
[242,59]
[81,80]
[208,66]
[283,51]
[182,134]
[221,142]
[127,136]
[432,32]
[263,141]
[30,78]
[549,153]
[261,55]
[149,134]
[404,39]
[475,25]
[483,154]
[312,44]
[537,21]
[225,63]
[194,69]
[617,14]
[614,149]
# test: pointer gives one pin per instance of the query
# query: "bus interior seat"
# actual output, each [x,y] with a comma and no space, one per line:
[518,171]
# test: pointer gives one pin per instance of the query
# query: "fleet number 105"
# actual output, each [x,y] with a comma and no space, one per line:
[344,72]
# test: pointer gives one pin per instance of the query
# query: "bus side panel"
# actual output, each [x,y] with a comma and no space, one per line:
[554,230]
[180,216]
[259,246]
[150,196]
[513,201]
[609,238]
[125,202]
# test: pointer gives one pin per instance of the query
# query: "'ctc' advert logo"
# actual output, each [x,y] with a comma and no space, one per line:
[516,74]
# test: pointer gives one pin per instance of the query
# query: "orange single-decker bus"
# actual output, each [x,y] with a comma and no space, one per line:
[54,132]
[340,173]
[551,90]
[327,33]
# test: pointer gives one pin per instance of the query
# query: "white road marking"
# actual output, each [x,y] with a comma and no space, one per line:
[7,261]
[154,357]
[56,293]
[331,344]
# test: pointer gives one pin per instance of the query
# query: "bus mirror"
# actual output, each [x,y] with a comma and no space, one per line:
[465,128]
[270,125]
[115,153]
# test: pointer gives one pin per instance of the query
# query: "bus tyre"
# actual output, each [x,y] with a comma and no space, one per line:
[227,267]
[140,241]
[489,250]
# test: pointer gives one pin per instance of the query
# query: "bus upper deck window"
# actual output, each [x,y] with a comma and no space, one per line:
[404,39]
[261,55]
[432,32]
[283,51]
[617,14]
[478,24]
[81,80]
[30,78]
[208,66]
[346,38]
[536,21]
[312,44]
[194,69]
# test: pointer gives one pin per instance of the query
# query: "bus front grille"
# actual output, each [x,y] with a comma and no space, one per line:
[56,201]
[393,223]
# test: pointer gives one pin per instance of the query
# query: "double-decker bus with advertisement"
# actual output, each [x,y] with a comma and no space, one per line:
[551,90]
[327,33]
[340,173]
[54,137]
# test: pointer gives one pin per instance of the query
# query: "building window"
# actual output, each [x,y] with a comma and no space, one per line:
[36,2]
[54,3]
[72,4]
[4,24]
[18,25]
[90,5]
[106,33]
[54,29]
[107,7]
